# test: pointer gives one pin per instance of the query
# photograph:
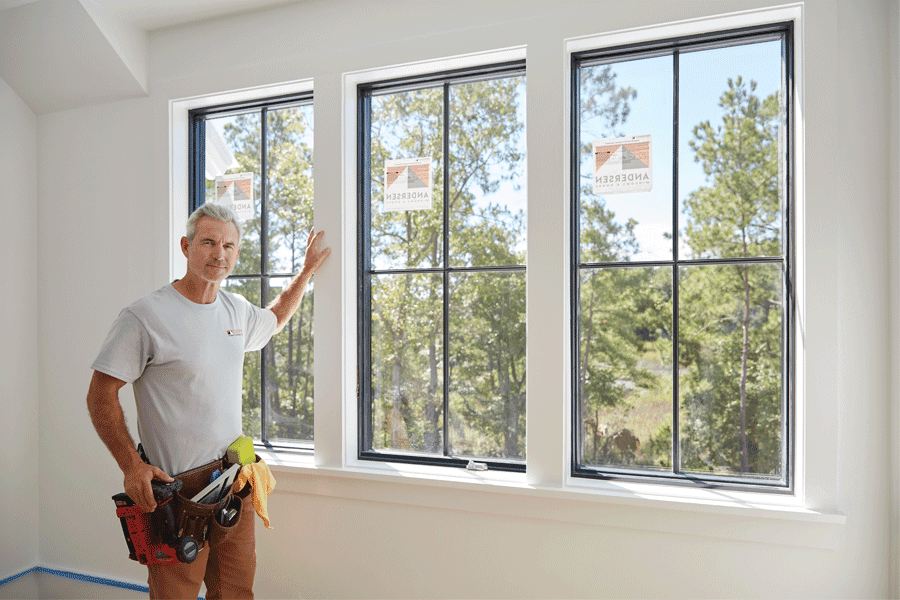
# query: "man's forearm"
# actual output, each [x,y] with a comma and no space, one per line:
[287,303]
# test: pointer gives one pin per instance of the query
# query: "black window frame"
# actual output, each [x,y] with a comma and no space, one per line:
[197,118]
[674,46]
[365,271]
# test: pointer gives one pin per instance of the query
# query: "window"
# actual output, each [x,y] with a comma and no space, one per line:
[682,260]
[257,158]
[442,268]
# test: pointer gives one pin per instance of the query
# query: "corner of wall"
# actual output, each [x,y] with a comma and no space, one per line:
[19,521]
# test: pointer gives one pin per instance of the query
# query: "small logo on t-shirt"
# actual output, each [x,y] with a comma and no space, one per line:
[233,332]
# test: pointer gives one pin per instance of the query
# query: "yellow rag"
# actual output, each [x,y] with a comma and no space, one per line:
[261,481]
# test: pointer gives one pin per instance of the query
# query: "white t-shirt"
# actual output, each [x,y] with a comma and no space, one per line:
[186,362]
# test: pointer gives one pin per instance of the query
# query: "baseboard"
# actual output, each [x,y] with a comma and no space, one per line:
[79,577]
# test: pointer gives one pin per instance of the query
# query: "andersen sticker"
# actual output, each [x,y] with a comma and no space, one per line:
[622,165]
[236,192]
[407,184]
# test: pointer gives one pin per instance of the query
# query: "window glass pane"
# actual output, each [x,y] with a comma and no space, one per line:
[487,357]
[730,165]
[289,375]
[407,389]
[627,98]
[730,353]
[407,125]
[289,192]
[487,166]
[233,143]
[249,289]
[625,370]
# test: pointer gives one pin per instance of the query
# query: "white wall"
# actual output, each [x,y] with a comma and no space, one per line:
[95,252]
[104,213]
[19,354]
[895,289]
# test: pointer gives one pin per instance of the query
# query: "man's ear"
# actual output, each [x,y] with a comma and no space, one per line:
[185,243]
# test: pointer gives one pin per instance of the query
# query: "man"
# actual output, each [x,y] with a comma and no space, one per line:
[182,347]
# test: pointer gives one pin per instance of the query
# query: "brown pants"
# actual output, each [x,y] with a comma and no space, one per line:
[227,563]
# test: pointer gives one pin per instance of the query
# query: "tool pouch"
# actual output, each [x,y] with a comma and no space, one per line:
[192,518]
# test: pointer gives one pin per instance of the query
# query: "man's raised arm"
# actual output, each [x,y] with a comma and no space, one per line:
[286,304]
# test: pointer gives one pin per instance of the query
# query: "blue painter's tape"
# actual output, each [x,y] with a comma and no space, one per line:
[96,580]
[80,577]
[17,575]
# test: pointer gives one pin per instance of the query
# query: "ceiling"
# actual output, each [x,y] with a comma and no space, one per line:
[63,54]
[149,15]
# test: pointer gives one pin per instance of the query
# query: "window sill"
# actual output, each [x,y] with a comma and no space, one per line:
[749,517]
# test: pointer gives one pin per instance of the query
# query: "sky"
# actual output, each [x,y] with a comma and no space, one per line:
[703,77]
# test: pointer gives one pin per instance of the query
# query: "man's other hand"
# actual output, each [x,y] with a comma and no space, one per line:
[137,484]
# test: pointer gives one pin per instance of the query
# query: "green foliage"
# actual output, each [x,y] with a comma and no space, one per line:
[625,312]
[486,310]
[731,315]
[739,214]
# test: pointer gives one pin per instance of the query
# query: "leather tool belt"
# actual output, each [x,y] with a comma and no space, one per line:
[178,529]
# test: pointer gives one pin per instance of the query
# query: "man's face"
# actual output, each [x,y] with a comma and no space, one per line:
[212,254]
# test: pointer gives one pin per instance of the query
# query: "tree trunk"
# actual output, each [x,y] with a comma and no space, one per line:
[745,351]
[432,434]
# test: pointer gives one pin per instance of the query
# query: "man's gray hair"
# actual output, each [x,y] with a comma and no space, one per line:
[213,211]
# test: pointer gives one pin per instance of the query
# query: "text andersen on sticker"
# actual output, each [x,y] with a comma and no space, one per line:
[407,184]
[622,165]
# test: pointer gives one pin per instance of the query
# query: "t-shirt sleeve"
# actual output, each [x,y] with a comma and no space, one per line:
[127,349]
[261,324]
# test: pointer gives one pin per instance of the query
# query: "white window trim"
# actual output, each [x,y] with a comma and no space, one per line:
[702,26]
[546,490]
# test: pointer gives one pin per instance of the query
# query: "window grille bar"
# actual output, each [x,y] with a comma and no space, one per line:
[264,281]
[676,243]
[737,260]
[439,270]
[446,278]
[260,275]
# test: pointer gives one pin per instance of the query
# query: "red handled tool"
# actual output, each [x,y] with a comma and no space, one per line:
[151,536]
